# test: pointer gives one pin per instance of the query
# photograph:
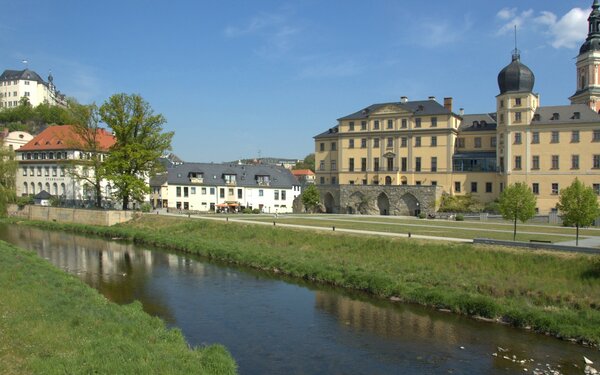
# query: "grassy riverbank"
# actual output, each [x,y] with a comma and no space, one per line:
[52,323]
[553,293]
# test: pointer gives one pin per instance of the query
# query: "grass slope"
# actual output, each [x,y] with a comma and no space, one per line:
[553,293]
[51,323]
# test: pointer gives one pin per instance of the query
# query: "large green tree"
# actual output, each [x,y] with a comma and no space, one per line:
[517,202]
[307,163]
[578,206]
[310,197]
[8,172]
[140,142]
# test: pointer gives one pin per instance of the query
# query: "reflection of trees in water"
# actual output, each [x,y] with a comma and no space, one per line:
[385,321]
[120,271]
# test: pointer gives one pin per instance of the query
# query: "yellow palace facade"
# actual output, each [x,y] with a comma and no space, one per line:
[426,143]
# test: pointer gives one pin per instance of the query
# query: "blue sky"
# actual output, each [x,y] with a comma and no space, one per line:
[239,78]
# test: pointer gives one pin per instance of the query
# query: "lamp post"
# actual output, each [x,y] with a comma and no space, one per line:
[417,211]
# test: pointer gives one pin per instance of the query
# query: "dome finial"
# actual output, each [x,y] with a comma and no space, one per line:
[516,54]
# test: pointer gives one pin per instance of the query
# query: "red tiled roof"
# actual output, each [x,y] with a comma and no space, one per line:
[302,172]
[62,137]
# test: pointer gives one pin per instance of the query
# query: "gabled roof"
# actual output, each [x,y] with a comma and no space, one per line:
[64,137]
[42,195]
[478,122]
[302,172]
[417,108]
[567,114]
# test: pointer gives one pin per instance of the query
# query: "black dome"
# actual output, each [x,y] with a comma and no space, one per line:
[592,42]
[590,45]
[516,77]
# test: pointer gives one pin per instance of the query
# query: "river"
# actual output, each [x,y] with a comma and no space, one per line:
[279,326]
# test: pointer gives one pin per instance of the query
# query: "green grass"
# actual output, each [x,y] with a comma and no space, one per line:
[555,293]
[52,323]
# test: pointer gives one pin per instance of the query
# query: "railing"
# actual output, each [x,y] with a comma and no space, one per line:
[196,180]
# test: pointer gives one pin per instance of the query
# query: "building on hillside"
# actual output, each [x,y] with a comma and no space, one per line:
[282,162]
[207,187]
[46,162]
[15,139]
[18,84]
[424,143]
[304,176]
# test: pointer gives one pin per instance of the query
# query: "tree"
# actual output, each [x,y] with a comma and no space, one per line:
[517,201]
[89,169]
[310,197]
[140,142]
[8,173]
[578,206]
[307,163]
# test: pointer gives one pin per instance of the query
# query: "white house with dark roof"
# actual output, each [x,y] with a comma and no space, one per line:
[18,84]
[227,187]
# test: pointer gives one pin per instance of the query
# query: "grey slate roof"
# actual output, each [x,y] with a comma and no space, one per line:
[43,195]
[331,132]
[245,174]
[566,115]
[10,75]
[477,122]
[417,107]
[158,180]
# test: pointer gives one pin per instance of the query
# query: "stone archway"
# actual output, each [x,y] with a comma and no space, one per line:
[383,203]
[357,203]
[329,202]
[410,205]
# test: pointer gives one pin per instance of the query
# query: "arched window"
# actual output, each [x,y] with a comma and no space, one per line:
[47,187]
[39,187]
[25,188]
[63,190]
[55,189]
[32,188]
[388,180]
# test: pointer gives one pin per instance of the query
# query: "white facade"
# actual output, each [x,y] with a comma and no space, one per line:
[15,85]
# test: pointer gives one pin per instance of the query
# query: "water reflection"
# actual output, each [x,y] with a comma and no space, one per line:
[276,326]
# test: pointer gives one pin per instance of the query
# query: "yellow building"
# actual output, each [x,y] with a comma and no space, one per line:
[425,143]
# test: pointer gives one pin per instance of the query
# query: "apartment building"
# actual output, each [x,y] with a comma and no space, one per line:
[18,84]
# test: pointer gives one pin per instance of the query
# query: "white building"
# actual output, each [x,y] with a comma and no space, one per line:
[209,187]
[15,140]
[45,163]
[18,84]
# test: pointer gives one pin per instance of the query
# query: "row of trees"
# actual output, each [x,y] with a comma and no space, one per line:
[578,205]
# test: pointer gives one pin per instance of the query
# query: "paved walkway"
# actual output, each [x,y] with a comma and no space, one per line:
[583,242]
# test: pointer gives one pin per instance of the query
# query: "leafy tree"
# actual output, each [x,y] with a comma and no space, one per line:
[311,197]
[8,173]
[307,163]
[578,205]
[89,169]
[140,141]
[517,201]
[460,203]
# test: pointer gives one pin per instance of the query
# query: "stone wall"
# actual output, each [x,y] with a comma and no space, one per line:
[70,215]
[406,200]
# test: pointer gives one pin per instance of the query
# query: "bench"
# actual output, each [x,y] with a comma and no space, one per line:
[540,241]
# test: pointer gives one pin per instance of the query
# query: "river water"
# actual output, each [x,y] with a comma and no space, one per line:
[279,326]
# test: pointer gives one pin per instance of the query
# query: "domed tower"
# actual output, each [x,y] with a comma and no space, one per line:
[588,62]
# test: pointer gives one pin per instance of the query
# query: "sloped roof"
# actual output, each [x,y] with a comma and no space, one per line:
[567,114]
[212,174]
[64,137]
[417,107]
[42,195]
[10,75]
[477,122]
[302,172]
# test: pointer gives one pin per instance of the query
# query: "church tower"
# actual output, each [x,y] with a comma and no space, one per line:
[588,64]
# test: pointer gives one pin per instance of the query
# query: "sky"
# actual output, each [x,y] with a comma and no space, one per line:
[243,79]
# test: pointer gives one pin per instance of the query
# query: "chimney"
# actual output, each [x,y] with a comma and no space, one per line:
[461,111]
[432,98]
[403,99]
[448,104]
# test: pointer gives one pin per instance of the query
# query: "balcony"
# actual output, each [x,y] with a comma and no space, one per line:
[263,183]
[196,180]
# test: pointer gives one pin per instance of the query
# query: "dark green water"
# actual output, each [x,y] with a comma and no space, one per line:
[277,326]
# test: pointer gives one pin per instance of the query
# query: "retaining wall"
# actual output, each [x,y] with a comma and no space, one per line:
[70,215]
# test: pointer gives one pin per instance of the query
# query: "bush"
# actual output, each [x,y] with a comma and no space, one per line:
[256,211]
[145,207]
[24,201]
[422,215]
[459,217]
[247,210]
[460,203]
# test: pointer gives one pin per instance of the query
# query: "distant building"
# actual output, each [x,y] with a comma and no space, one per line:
[18,84]
[14,140]
[304,176]
[212,187]
[45,161]
[282,162]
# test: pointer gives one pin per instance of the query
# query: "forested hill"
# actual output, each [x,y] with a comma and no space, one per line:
[34,119]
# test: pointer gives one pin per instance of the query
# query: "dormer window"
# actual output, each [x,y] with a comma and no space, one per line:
[263,180]
[576,116]
[229,179]
[196,177]
[555,116]
[536,117]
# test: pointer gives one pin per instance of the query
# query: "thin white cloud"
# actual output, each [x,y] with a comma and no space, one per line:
[506,13]
[568,31]
[511,18]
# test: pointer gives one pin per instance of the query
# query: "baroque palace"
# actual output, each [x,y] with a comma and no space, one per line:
[399,158]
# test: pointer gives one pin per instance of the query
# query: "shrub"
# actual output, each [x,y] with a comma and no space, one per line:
[460,203]
[145,207]
[24,201]
[247,210]
[459,217]
[422,215]
[256,211]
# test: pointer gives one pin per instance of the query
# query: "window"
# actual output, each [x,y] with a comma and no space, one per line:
[351,126]
[493,142]
[363,164]
[24,171]
[433,183]
[596,136]
[376,164]
[375,142]
[575,136]
[535,162]
[596,188]
[351,143]
[185,191]
[322,147]
[555,137]
[517,162]
[283,196]
[404,124]
[333,165]
[203,191]
[376,125]
[434,122]
[39,171]
[261,192]
[418,122]
[351,164]
[473,187]
[596,162]
[62,172]
[554,162]
[457,186]
[403,142]
[321,181]
[390,164]
[333,182]
[363,125]
[390,142]
[517,102]
[178,191]
[535,137]
[460,142]
[517,116]
[502,118]
[212,191]
[364,181]
[276,195]
[222,193]
[434,164]
[322,165]
[46,171]
[333,146]
[417,141]
[404,164]
[417,164]
[554,188]
[390,124]
[517,138]
[433,141]
[574,161]
[535,187]
[477,142]
[363,143]
[32,171]
[488,187]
